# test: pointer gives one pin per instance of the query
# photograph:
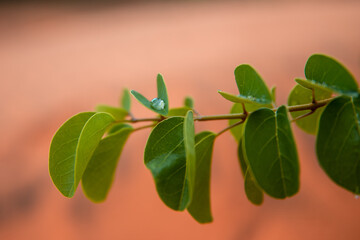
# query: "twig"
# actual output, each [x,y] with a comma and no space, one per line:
[302,116]
[229,127]
[146,126]
[242,116]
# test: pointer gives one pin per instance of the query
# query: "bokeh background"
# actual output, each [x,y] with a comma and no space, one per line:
[62,57]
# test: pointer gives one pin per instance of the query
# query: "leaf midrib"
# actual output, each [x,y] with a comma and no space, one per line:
[279,154]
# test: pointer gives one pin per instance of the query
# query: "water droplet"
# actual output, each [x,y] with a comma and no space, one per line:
[357,196]
[158,104]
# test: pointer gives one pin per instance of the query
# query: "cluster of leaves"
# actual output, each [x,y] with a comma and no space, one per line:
[326,103]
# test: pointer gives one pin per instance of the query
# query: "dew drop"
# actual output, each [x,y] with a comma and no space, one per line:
[158,104]
[357,196]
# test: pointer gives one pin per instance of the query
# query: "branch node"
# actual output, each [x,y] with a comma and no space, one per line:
[303,116]
[313,96]
[244,109]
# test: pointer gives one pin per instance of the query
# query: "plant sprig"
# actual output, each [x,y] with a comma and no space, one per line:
[87,147]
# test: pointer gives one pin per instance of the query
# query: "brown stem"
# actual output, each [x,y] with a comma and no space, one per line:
[135,120]
[229,127]
[146,126]
[309,106]
[313,96]
[302,116]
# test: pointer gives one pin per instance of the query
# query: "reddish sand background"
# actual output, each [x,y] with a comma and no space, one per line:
[58,61]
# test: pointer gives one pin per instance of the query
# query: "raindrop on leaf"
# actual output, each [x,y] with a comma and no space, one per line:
[157,104]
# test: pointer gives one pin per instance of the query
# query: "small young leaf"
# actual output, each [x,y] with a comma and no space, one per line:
[72,148]
[271,152]
[189,102]
[338,142]
[327,72]
[237,108]
[126,100]
[237,98]
[162,92]
[251,85]
[273,94]
[180,112]
[117,113]
[312,85]
[252,190]
[300,95]
[160,104]
[143,100]
[199,207]
[100,171]
[165,157]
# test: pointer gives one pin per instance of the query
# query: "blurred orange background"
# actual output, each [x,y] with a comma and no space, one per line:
[60,59]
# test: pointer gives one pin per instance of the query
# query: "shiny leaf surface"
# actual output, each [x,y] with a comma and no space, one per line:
[72,147]
[327,72]
[251,86]
[271,152]
[338,142]
[166,158]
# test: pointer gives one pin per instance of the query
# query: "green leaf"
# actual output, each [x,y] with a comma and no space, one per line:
[180,112]
[241,158]
[199,207]
[311,85]
[300,95]
[165,157]
[99,174]
[237,99]
[160,104]
[327,72]
[189,143]
[271,152]
[126,100]
[251,86]
[338,142]
[162,92]
[117,113]
[189,102]
[237,108]
[273,94]
[253,192]
[72,147]
[143,100]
